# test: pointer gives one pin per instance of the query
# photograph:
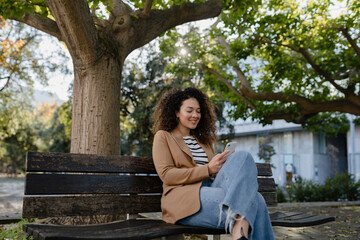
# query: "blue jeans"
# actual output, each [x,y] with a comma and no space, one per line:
[233,192]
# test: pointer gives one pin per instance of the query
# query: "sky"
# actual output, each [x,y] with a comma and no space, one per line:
[58,83]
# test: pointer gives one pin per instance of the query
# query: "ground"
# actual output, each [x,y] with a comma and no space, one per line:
[345,226]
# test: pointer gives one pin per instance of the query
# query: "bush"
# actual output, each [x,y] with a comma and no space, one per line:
[342,187]
[280,195]
[14,231]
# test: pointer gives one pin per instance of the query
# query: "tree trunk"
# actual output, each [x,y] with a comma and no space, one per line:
[98,49]
[96,107]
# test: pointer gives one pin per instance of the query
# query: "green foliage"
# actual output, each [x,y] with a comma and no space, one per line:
[44,129]
[357,121]
[17,8]
[341,187]
[290,48]
[330,123]
[14,231]
[58,135]
[21,128]
[280,195]
[141,90]
[18,141]
[266,151]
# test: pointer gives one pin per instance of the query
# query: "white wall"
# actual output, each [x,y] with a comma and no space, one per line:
[302,153]
[308,161]
[353,149]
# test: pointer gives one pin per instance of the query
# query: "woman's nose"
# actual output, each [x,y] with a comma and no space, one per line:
[196,114]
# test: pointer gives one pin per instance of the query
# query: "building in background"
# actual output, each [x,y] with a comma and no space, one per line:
[300,152]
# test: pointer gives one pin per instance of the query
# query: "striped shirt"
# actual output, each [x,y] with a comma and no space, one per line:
[198,153]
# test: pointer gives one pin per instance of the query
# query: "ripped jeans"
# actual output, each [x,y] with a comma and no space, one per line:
[233,192]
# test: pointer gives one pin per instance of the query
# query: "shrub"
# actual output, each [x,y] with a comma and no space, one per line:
[14,231]
[280,195]
[342,187]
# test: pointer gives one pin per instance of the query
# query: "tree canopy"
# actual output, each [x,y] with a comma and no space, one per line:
[292,60]
[99,36]
[21,66]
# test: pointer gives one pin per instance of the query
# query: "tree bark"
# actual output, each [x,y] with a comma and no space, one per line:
[96,108]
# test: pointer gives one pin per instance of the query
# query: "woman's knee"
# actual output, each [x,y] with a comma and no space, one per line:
[243,157]
[262,203]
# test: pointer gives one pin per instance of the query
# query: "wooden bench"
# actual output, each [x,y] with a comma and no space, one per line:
[59,184]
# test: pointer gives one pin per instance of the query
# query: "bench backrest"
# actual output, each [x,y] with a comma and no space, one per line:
[64,184]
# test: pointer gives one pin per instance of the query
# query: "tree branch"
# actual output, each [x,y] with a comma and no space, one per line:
[27,41]
[345,32]
[245,86]
[265,40]
[77,28]
[119,8]
[311,109]
[6,84]
[247,91]
[147,8]
[351,41]
[43,24]
[351,103]
[321,72]
[234,90]
[308,58]
[158,21]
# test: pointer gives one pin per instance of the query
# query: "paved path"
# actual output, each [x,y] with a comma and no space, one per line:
[11,194]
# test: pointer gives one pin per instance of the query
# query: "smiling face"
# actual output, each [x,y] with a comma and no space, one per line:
[189,116]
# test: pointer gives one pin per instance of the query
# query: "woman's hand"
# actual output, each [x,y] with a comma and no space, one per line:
[217,162]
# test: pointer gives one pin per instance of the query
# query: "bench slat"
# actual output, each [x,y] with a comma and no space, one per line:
[270,198]
[48,184]
[42,207]
[131,229]
[295,219]
[91,163]
[264,169]
[87,163]
[37,184]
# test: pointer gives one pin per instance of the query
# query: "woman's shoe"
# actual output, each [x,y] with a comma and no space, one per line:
[243,238]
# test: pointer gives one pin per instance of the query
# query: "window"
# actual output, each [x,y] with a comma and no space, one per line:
[322,143]
[288,142]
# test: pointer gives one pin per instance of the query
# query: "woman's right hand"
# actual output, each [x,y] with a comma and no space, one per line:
[217,162]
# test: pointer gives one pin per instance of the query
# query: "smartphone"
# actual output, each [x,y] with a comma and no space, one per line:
[231,147]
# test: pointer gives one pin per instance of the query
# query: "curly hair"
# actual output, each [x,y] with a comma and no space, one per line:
[165,114]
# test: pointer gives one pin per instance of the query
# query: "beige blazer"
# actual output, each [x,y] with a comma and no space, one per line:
[180,175]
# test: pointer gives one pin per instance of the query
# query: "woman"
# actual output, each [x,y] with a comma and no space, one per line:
[187,164]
